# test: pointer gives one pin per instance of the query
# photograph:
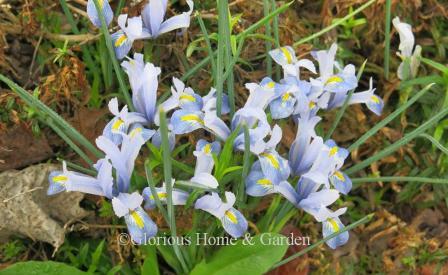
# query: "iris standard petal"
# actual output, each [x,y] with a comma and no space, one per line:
[287,191]
[178,21]
[210,203]
[316,200]
[216,125]
[205,179]
[305,187]
[105,9]
[407,39]
[154,12]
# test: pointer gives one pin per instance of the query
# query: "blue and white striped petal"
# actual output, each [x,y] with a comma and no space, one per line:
[189,100]
[184,121]
[335,150]
[58,181]
[137,129]
[216,126]
[284,55]
[257,184]
[105,9]
[342,82]
[234,223]
[283,106]
[179,197]
[341,182]
[274,166]
[375,104]
[333,225]
[115,129]
[122,44]
[140,226]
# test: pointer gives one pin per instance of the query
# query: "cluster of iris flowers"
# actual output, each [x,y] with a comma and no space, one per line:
[315,162]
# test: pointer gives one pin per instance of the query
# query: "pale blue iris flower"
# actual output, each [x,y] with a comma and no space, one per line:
[105,9]
[72,181]
[182,97]
[306,146]
[185,98]
[131,29]
[372,101]
[204,156]
[153,18]
[205,180]
[286,58]
[120,124]
[292,100]
[410,57]
[179,197]
[273,165]
[195,112]
[140,226]
[149,25]
[311,197]
[341,82]
[326,168]
[157,138]
[260,95]
[232,220]
[258,184]
[143,78]
[184,121]
[123,157]
[332,224]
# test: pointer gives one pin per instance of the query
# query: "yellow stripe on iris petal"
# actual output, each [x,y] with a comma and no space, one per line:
[117,125]
[187,97]
[121,40]
[339,176]
[334,79]
[208,148]
[231,216]
[192,118]
[135,132]
[286,96]
[137,219]
[375,99]
[312,104]
[270,84]
[333,224]
[61,179]
[333,151]
[161,195]
[272,159]
[287,54]
[264,182]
